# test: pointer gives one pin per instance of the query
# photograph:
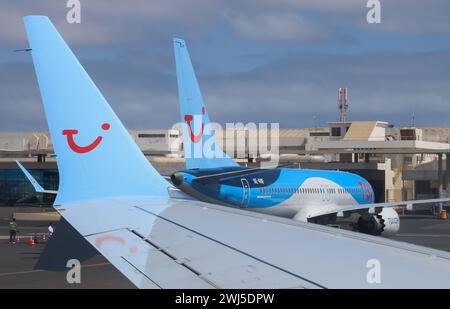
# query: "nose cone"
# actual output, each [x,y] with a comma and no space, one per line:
[177,179]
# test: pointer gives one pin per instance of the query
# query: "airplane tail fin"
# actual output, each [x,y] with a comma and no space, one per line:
[96,155]
[201,148]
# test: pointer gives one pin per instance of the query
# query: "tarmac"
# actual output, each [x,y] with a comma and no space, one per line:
[19,267]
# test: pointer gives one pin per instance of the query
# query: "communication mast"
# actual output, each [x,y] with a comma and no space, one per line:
[343,104]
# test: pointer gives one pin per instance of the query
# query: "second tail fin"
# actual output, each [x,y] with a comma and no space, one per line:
[194,117]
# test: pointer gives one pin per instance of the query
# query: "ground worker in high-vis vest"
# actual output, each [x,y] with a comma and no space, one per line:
[12,231]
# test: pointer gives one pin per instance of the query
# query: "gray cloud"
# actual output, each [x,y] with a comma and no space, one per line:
[276,26]
[290,90]
[123,22]
[296,87]
[127,50]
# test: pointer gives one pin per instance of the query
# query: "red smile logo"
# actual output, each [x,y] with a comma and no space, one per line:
[106,238]
[188,119]
[83,149]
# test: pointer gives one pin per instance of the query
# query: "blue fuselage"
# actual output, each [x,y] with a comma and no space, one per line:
[280,191]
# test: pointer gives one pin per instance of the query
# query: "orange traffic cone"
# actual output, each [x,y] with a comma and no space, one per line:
[18,239]
[43,238]
[31,242]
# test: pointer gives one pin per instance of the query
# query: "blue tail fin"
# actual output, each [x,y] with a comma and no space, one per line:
[195,117]
[96,156]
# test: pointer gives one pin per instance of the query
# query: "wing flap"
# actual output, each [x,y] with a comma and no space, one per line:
[145,265]
[114,246]
[219,264]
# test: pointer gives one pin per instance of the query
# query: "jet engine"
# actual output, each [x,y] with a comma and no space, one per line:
[385,223]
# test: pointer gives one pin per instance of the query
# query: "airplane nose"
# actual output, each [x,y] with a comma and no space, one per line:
[177,179]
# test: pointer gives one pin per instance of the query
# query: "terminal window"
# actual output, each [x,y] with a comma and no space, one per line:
[336,131]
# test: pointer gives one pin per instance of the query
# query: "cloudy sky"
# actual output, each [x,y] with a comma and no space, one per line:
[256,61]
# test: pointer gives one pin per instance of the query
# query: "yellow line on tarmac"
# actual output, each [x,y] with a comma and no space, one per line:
[42,270]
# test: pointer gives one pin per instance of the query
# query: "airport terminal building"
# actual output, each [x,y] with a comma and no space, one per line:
[400,163]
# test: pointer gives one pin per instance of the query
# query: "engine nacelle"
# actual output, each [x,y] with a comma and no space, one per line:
[385,223]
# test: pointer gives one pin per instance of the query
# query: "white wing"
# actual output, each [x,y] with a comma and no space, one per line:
[170,243]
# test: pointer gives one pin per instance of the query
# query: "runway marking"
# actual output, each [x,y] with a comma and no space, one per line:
[43,270]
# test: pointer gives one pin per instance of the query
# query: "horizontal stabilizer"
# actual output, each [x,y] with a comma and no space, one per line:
[242,172]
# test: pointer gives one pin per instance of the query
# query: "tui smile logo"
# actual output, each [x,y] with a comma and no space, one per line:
[83,149]
[188,119]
